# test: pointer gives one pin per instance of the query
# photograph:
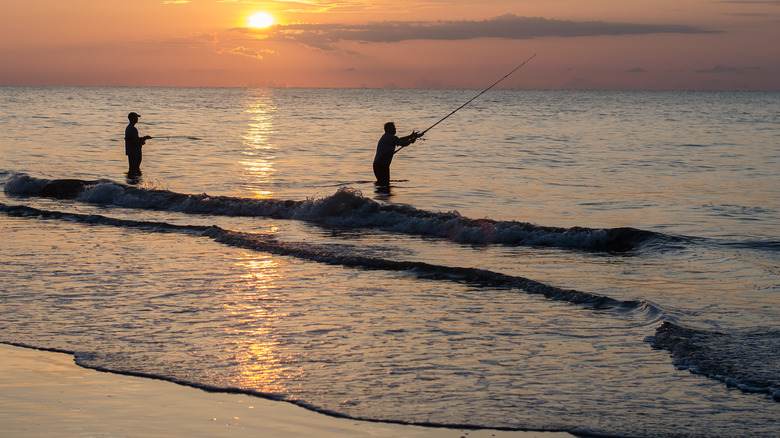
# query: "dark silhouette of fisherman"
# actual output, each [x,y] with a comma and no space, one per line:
[133,145]
[386,148]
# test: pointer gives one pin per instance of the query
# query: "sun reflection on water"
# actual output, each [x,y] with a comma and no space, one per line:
[261,364]
[259,151]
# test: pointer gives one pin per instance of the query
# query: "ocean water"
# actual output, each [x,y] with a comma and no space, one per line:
[603,263]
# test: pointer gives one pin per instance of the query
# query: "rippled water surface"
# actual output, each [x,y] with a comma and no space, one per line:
[599,262]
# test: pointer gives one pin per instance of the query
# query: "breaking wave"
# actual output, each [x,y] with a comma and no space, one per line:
[345,208]
[748,359]
[745,359]
[349,257]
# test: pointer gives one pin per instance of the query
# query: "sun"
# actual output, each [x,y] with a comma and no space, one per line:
[261,20]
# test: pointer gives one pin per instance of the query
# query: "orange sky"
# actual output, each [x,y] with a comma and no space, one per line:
[612,44]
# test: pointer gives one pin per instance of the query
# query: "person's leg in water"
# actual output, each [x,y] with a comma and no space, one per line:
[382,174]
[134,161]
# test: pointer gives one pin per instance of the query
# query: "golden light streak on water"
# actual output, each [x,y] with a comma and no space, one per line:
[262,366]
[259,151]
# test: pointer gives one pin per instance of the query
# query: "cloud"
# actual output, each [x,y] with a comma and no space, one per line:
[727,69]
[206,37]
[266,84]
[244,51]
[344,6]
[175,2]
[755,2]
[637,70]
[509,26]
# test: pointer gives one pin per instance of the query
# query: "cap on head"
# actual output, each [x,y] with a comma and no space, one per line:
[133,115]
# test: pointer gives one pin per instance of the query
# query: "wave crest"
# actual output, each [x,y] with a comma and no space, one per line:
[746,359]
[349,257]
[347,207]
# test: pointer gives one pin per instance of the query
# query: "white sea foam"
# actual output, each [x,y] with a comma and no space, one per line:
[347,207]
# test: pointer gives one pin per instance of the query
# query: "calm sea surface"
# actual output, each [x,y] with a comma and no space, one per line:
[592,262]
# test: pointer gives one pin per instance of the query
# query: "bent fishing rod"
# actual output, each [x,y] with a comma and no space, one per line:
[420,134]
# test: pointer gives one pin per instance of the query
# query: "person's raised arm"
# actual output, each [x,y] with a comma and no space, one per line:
[406,141]
[409,139]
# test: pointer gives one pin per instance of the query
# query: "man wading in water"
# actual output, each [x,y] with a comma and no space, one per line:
[385,149]
[133,145]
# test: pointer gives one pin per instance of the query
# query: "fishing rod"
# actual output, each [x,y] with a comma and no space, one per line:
[168,137]
[480,94]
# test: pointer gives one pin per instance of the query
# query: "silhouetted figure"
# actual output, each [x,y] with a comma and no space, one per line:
[133,146]
[385,149]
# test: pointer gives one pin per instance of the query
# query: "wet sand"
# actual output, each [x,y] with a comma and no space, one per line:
[45,394]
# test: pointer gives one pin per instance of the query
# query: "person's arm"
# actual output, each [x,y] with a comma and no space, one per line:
[406,141]
[131,135]
[140,141]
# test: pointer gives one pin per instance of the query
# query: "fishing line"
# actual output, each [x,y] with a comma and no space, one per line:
[480,94]
[420,134]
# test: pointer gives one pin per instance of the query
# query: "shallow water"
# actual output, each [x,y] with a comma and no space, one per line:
[586,261]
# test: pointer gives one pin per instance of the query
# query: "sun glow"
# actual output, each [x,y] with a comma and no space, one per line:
[261,20]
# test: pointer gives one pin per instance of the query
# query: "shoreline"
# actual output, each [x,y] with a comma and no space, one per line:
[45,394]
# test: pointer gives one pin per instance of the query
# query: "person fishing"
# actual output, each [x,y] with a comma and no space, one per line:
[386,148]
[133,145]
